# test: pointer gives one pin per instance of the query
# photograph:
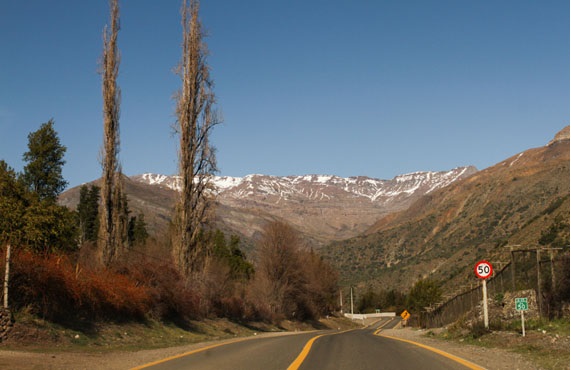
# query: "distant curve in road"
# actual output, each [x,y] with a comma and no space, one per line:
[358,349]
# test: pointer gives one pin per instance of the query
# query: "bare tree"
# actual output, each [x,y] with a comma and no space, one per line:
[111,239]
[196,117]
[280,279]
[291,281]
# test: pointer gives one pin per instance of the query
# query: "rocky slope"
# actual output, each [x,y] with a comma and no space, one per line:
[323,208]
[521,200]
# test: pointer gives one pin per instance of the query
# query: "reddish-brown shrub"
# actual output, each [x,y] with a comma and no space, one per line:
[55,288]
[60,289]
[171,296]
[113,295]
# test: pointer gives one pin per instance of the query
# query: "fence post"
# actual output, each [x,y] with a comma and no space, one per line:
[7,275]
[512,267]
[553,279]
[538,266]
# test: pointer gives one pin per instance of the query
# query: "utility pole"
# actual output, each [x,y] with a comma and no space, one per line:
[341,301]
[351,303]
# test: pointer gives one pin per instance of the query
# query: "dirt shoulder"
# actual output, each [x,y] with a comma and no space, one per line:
[37,345]
[497,350]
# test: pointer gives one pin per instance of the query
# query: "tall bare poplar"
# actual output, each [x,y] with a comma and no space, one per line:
[196,117]
[111,239]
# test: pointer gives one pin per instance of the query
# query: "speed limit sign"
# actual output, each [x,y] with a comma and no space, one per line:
[483,269]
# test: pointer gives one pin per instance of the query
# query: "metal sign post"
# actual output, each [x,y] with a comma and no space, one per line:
[484,270]
[522,325]
[521,305]
[485,299]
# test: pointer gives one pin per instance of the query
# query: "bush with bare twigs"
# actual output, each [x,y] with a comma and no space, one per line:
[290,282]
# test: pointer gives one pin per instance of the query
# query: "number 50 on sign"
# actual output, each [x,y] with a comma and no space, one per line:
[483,269]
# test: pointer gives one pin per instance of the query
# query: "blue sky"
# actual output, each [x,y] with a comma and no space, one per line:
[372,88]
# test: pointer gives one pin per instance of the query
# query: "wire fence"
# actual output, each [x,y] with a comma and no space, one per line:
[545,272]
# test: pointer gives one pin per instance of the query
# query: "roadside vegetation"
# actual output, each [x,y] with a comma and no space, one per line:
[97,265]
[546,342]
[56,276]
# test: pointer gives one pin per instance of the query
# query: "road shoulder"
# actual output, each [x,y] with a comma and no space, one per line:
[489,358]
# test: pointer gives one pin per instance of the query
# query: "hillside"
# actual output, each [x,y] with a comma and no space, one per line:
[445,232]
[156,203]
[322,208]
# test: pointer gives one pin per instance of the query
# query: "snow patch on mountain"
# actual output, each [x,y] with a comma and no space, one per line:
[321,187]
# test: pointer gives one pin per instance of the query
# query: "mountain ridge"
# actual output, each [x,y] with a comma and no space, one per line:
[322,207]
[361,186]
[522,200]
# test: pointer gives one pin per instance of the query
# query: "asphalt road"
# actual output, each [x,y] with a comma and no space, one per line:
[359,349]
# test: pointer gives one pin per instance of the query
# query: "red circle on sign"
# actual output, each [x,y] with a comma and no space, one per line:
[483,269]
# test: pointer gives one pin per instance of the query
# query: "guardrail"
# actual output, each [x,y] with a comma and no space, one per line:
[358,316]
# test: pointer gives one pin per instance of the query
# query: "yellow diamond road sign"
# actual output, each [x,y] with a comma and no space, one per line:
[405,315]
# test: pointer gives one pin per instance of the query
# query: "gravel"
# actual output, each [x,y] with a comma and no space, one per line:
[488,358]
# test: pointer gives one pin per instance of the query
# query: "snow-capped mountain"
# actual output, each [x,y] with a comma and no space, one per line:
[326,207]
[320,187]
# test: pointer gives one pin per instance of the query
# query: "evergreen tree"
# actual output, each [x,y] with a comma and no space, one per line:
[88,213]
[49,227]
[424,293]
[82,213]
[13,204]
[138,230]
[40,224]
[43,173]
[231,254]
[93,215]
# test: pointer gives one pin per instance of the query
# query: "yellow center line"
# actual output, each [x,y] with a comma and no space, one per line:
[189,353]
[468,364]
[381,327]
[196,351]
[305,351]
[373,323]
